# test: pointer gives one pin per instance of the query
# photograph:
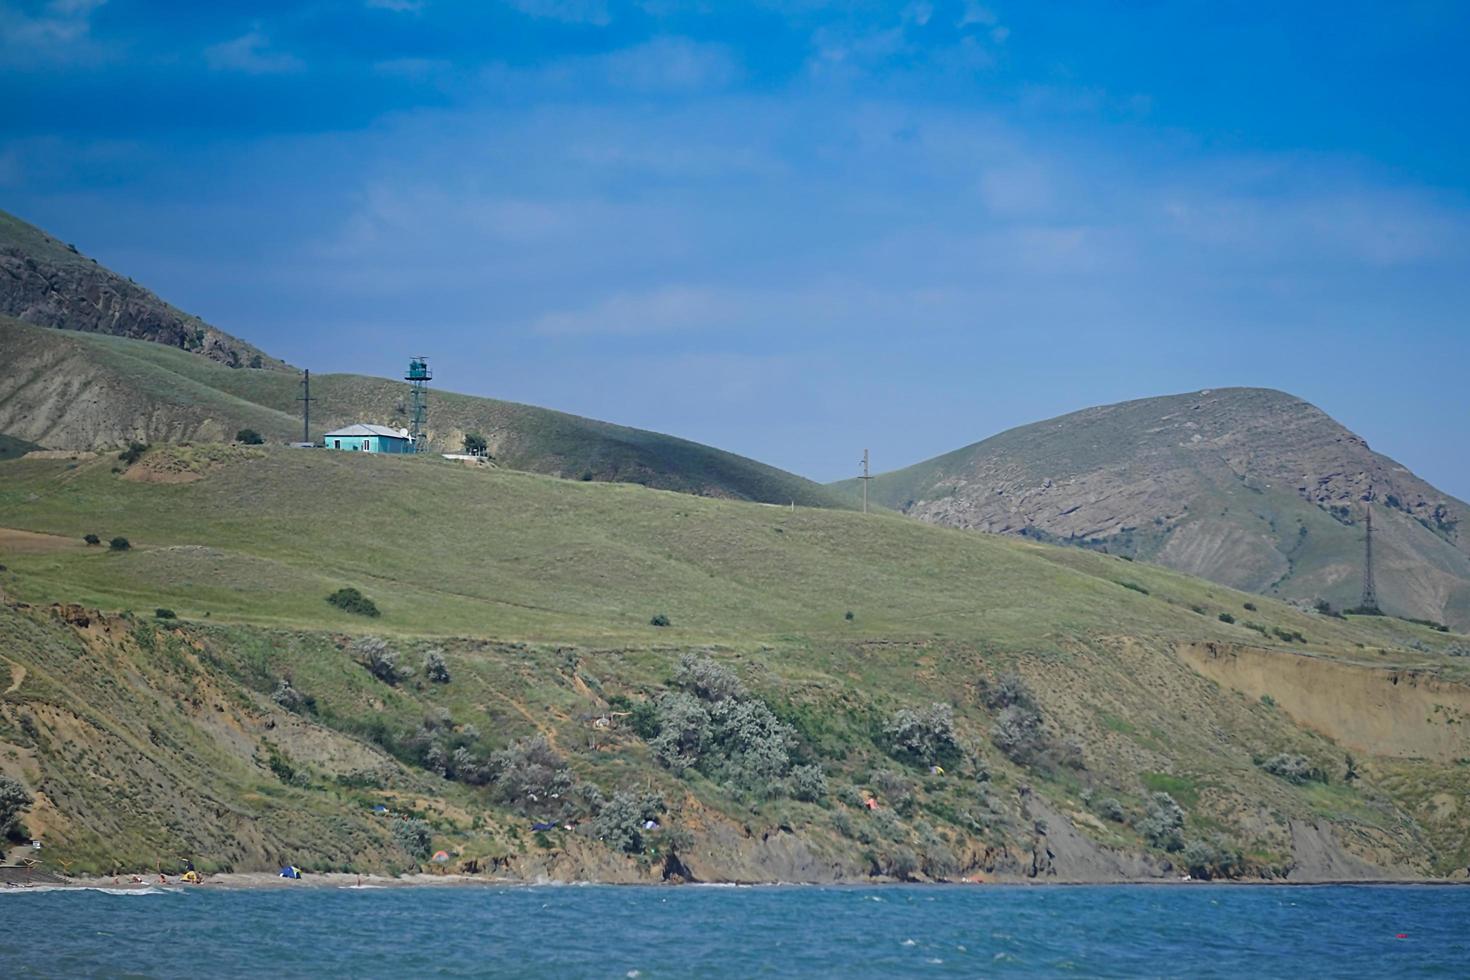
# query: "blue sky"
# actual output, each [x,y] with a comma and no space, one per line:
[792,230]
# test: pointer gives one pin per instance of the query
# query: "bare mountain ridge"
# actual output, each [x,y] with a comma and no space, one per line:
[50,284]
[1250,487]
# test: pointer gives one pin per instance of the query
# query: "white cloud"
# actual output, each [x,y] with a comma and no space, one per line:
[251,53]
[569,11]
[60,31]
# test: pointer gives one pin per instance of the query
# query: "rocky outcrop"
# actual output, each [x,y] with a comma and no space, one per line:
[50,284]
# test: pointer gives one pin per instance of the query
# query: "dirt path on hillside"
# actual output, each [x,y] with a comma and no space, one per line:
[16,678]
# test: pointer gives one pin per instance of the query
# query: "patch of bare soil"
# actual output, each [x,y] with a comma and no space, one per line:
[18,542]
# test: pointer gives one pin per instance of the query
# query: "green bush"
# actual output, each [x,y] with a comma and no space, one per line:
[13,799]
[119,544]
[475,444]
[380,659]
[923,735]
[414,836]
[659,619]
[1018,734]
[162,613]
[291,699]
[1135,587]
[435,669]
[530,776]
[620,824]
[1163,823]
[249,437]
[133,453]
[808,783]
[350,600]
[91,539]
[1211,859]
[1249,607]
[1226,617]
[1111,809]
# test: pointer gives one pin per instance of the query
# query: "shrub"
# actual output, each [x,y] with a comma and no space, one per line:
[353,601]
[1009,689]
[119,544]
[1249,606]
[808,783]
[1295,769]
[1286,636]
[1017,733]
[162,613]
[1326,609]
[848,616]
[1226,617]
[249,437]
[133,453]
[923,735]
[414,836]
[291,699]
[380,660]
[683,731]
[1211,859]
[1111,809]
[707,680]
[1134,586]
[1163,823]
[13,799]
[435,669]
[475,444]
[620,822]
[659,619]
[91,539]
[530,775]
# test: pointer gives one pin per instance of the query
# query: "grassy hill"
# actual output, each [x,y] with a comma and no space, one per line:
[1249,487]
[76,391]
[259,723]
[46,282]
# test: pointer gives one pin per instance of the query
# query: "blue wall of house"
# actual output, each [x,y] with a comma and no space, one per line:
[369,444]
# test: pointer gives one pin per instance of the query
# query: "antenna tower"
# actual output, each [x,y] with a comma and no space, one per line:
[865,478]
[418,378]
[1369,603]
[305,399]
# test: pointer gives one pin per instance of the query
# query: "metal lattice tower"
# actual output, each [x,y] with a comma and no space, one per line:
[418,378]
[1369,603]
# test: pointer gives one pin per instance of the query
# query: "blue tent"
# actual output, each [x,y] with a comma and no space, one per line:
[291,871]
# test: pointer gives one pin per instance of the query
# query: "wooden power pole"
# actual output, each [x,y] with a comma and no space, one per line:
[865,478]
[305,399]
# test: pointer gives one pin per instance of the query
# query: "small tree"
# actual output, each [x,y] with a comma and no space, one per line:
[249,437]
[133,453]
[91,539]
[380,660]
[119,544]
[475,444]
[13,799]
[621,823]
[808,783]
[435,669]
[414,836]
[1163,824]
[924,735]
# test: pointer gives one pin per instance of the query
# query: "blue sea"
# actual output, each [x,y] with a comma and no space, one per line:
[637,932]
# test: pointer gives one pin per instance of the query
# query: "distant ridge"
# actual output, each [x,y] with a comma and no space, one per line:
[51,284]
[1250,487]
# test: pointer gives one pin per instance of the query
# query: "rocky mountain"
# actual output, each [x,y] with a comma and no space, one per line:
[1250,487]
[46,282]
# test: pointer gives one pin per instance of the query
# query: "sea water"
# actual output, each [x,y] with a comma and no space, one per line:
[793,931]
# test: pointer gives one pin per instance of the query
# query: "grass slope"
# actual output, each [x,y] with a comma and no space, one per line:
[83,391]
[539,592]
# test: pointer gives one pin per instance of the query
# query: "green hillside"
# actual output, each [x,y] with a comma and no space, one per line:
[1252,488]
[260,723]
[76,391]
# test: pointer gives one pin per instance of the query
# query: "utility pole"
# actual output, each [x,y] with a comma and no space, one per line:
[305,399]
[1369,603]
[865,478]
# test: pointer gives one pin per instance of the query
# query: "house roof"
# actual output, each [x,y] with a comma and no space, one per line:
[363,429]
